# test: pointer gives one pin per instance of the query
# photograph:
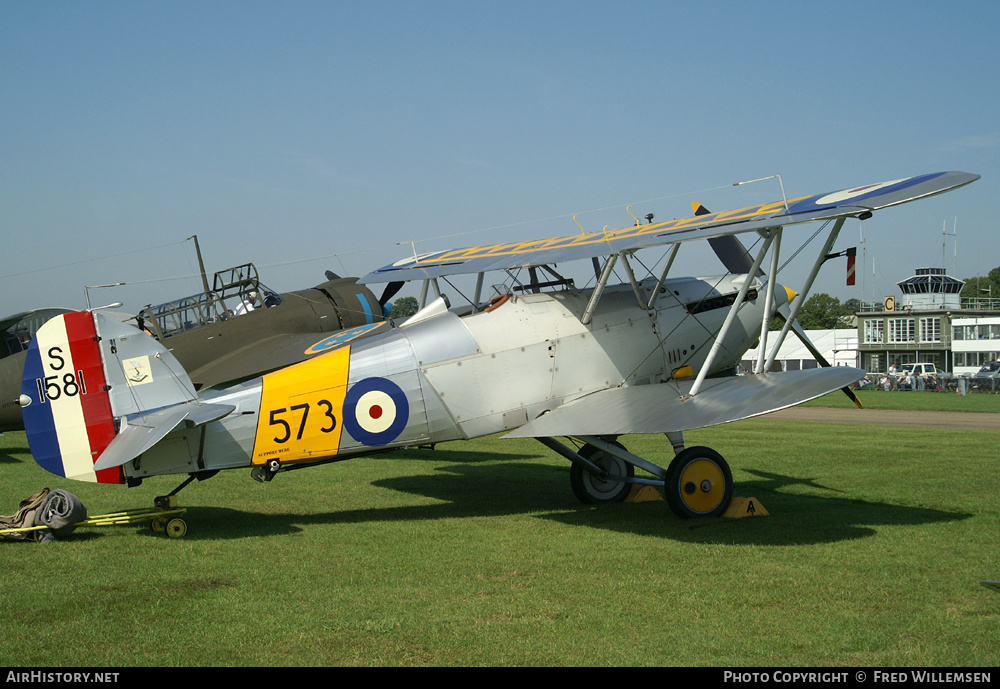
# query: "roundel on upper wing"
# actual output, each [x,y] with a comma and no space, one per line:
[402,263]
[856,193]
[375,411]
[874,195]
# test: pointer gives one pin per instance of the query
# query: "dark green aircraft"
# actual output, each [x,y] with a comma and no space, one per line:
[233,331]
[17,331]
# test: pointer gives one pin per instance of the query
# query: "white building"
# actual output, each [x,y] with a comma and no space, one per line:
[839,347]
[922,327]
[975,341]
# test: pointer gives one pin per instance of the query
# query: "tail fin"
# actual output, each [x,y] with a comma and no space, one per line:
[84,374]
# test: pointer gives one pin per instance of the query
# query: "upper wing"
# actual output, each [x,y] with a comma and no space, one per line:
[847,202]
[665,408]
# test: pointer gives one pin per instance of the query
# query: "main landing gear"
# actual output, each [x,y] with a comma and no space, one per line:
[612,484]
[698,482]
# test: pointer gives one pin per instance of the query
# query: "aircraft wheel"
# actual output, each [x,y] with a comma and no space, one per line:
[600,489]
[699,483]
[176,528]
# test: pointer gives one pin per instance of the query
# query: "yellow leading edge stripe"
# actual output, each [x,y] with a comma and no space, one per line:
[531,246]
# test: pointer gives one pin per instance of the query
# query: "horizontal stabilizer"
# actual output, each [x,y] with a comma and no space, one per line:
[143,431]
[666,408]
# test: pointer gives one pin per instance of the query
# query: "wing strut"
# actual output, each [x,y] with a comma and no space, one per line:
[772,279]
[663,278]
[631,278]
[430,282]
[792,324]
[605,275]
[602,282]
[479,292]
[731,316]
[790,320]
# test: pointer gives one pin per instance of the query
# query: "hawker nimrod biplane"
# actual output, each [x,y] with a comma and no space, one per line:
[574,368]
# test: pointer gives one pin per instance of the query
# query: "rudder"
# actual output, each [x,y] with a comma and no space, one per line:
[83,372]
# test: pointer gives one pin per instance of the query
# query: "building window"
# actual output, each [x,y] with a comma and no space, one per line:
[873,331]
[977,332]
[900,330]
[974,359]
[930,329]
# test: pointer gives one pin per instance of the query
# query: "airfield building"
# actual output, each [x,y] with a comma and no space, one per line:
[929,323]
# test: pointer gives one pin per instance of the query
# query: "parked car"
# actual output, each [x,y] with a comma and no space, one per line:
[922,370]
[989,371]
[919,376]
[988,377]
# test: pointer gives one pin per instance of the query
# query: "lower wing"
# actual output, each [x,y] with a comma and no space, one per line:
[666,408]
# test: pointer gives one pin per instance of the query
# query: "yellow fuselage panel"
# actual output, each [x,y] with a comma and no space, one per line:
[301,410]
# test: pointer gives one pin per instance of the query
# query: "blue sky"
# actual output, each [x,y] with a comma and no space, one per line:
[306,136]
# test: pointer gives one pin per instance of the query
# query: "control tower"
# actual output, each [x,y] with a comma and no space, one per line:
[931,288]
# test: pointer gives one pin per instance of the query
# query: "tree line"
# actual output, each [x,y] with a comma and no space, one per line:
[981,287]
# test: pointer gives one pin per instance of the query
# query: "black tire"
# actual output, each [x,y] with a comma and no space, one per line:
[699,483]
[601,489]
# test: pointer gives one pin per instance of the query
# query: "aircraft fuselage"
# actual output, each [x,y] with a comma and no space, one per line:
[440,377]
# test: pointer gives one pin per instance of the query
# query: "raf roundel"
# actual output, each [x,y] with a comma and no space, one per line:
[375,411]
[856,193]
[341,338]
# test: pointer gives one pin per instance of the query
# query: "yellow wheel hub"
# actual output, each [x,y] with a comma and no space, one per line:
[702,485]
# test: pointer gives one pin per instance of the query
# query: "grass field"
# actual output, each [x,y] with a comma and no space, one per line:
[914,401]
[476,553]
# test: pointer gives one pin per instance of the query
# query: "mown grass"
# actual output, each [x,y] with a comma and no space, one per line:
[920,400]
[476,553]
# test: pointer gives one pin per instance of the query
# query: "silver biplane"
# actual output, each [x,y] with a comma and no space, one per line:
[574,368]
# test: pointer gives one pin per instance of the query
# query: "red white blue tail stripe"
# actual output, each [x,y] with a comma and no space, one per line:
[68,418]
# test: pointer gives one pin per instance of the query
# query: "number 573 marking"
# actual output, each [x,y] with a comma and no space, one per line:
[298,415]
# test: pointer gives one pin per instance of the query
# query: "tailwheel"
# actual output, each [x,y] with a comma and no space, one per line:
[699,483]
[176,528]
[606,487]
